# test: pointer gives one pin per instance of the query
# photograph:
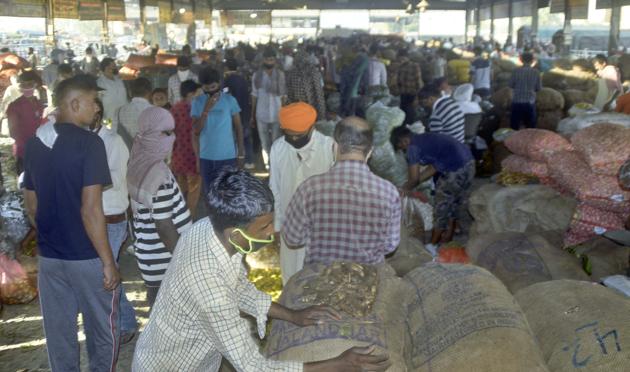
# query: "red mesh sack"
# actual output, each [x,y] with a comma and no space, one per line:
[15,287]
[604,147]
[589,222]
[537,144]
[520,164]
[571,173]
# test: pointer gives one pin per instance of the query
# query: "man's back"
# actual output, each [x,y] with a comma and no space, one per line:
[409,78]
[58,176]
[480,70]
[525,82]
[447,118]
[346,214]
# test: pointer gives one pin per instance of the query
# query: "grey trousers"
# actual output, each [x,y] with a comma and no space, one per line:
[67,288]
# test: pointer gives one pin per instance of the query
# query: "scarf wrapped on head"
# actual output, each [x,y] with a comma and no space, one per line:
[147,169]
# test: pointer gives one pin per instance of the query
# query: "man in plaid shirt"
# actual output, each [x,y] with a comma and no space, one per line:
[348,213]
[409,83]
[525,83]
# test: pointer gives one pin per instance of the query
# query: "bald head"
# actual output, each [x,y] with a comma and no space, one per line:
[353,134]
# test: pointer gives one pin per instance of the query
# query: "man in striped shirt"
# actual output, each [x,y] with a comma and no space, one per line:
[446,116]
[525,82]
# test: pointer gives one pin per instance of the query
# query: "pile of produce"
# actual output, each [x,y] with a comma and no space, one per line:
[507,178]
[347,287]
[268,281]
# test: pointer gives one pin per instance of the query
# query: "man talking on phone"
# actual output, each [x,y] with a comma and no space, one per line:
[217,129]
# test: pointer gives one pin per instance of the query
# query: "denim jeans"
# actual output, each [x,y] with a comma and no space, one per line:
[209,170]
[117,233]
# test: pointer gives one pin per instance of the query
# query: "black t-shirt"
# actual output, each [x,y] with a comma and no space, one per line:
[58,176]
[239,89]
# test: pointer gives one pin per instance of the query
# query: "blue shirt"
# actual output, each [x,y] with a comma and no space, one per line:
[58,176]
[443,152]
[217,140]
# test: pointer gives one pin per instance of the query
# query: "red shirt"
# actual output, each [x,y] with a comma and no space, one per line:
[183,161]
[25,115]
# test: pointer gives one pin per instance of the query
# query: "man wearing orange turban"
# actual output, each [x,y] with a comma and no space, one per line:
[301,153]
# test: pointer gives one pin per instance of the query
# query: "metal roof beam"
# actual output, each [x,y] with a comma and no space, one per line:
[331,4]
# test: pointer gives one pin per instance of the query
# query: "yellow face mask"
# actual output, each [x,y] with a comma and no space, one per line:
[254,244]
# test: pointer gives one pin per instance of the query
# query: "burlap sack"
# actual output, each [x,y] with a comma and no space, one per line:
[410,253]
[502,99]
[603,257]
[549,120]
[580,326]
[549,99]
[521,260]
[462,319]
[384,327]
[527,208]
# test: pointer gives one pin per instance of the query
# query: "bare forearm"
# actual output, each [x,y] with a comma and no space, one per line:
[277,311]
[426,174]
[238,128]
[96,228]
[168,234]
[30,201]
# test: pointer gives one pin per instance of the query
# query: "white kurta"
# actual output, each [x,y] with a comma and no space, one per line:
[290,167]
[113,97]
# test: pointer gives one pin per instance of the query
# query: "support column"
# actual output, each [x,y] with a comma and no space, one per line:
[511,22]
[534,4]
[615,23]
[143,17]
[191,32]
[492,21]
[478,21]
[51,37]
[568,37]
[105,25]
[466,25]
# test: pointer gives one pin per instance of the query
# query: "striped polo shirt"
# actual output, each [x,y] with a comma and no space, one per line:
[151,253]
[447,118]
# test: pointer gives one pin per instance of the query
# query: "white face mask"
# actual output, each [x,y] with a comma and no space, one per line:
[183,75]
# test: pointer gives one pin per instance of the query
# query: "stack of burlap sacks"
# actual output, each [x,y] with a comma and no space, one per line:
[575,80]
[461,318]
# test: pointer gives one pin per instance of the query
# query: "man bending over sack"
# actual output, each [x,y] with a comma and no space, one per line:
[452,162]
[348,213]
[196,320]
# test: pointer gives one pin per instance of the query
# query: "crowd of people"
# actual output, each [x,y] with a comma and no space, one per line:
[107,158]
